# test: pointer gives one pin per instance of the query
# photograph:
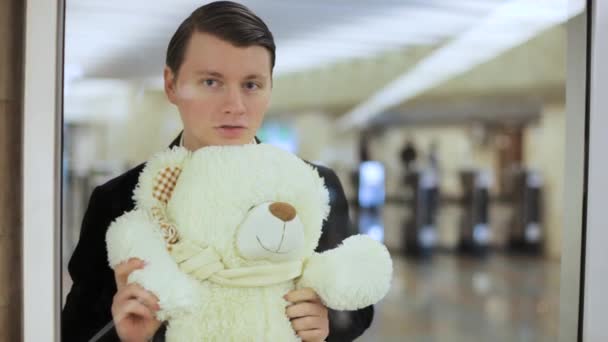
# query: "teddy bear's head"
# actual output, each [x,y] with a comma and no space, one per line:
[253,204]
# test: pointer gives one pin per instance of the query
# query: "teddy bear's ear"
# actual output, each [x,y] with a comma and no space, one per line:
[159,178]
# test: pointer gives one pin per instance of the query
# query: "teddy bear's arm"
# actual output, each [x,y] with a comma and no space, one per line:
[351,276]
[135,235]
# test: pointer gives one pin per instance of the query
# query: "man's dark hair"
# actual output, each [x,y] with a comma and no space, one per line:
[226,20]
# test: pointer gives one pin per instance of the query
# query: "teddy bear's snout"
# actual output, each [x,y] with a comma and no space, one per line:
[283,211]
[271,231]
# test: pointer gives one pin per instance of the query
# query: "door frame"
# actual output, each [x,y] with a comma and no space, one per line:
[594,263]
[41,200]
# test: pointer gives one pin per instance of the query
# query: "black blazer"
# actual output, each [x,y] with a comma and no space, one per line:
[88,305]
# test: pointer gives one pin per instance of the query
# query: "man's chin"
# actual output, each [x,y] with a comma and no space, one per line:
[233,142]
[218,140]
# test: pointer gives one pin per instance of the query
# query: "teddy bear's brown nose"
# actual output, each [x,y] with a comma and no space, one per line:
[283,211]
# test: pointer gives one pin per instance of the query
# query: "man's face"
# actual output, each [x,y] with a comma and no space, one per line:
[222,91]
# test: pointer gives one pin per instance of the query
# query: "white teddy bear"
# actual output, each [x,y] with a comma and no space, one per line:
[227,231]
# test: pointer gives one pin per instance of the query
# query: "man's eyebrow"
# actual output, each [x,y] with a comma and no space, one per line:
[219,75]
[209,73]
[254,76]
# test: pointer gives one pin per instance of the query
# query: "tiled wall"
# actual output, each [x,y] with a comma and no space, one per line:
[11,40]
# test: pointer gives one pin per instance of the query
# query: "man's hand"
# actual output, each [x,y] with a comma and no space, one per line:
[309,317]
[133,307]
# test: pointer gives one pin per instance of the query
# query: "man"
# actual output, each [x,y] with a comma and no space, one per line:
[219,75]
[408,155]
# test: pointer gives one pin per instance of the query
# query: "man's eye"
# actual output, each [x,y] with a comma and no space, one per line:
[251,86]
[210,82]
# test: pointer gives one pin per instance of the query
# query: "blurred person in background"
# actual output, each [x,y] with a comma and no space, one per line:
[364,140]
[408,155]
[434,156]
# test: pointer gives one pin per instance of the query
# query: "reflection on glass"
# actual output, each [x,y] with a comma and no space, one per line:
[478,90]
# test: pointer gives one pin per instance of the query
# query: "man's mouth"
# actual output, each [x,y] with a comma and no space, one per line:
[231,126]
[231,131]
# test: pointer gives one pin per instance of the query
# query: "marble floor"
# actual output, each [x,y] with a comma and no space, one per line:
[453,298]
[450,298]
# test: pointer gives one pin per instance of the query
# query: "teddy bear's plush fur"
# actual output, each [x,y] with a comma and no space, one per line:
[227,231]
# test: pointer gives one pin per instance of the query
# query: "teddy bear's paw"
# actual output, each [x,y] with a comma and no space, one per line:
[132,235]
[184,297]
[354,275]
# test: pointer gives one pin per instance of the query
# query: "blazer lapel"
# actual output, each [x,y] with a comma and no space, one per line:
[176,140]
[179,136]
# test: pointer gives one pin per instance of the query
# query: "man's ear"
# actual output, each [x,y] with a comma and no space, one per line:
[169,81]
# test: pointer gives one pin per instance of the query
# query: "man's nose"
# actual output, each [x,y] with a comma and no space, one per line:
[234,102]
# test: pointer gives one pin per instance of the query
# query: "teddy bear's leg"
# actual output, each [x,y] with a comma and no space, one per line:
[135,235]
[351,276]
